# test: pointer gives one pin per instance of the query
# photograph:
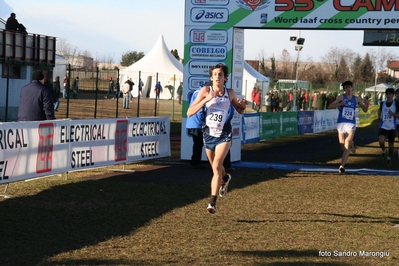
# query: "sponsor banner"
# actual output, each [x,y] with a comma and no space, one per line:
[250,128]
[208,52]
[205,36]
[31,149]
[148,138]
[209,15]
[366,119]
[286,14]
[42,148]
[289,124]
[305,122]
[270,124]
[197,82]
[92,143]
[200,68]
[325,120]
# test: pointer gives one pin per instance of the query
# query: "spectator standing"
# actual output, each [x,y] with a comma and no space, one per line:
[180,92]
[117,89]
[194,129]
[257,99]
[301,99]
[56,92]
[67,86]
[290,100]
[131,84]
[253,98]
[158,90]
[346,124]
[36,101]
[75,88]
[126,92]
[141,85]
[306,99]
[268,102]
[277,101]
[111,86]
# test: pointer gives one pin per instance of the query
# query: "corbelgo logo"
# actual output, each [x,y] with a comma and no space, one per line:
[44,158]
[209,15]
[121,140]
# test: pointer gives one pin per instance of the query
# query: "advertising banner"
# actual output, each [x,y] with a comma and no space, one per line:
[293,14]
[35,149]
[289,124]
[325,120]
[305,122]
[148,138]
[270,125]
[250,128]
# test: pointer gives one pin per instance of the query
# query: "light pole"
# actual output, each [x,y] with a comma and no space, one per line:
[298,47]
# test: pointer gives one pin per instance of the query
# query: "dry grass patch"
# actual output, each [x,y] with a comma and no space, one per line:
[273,218]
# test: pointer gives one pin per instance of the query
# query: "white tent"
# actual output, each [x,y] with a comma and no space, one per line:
[252,78]
[379,87]
[157,61]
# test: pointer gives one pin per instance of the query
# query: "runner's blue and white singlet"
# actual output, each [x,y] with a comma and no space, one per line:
[347,112]
[388,121]
[218,115]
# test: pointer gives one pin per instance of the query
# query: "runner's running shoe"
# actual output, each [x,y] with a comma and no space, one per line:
[211,208]
[225,185]
[384,153]
[341,170]
[388,160]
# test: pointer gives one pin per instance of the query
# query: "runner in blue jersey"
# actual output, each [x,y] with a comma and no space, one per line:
[217,101]
[346,124]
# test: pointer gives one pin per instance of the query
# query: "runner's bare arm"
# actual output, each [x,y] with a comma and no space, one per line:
[238,104]
[337,103]
[364,105]
[203,97]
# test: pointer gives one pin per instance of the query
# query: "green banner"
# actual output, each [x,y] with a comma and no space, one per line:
[279,124]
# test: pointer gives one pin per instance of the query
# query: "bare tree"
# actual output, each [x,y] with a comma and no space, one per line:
[332,60]
[380,57]
[67,50]
[285,68]
[87,60]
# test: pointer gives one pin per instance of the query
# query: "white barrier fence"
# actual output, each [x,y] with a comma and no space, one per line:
[34,149]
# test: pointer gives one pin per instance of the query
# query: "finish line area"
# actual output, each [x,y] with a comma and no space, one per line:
[314,168]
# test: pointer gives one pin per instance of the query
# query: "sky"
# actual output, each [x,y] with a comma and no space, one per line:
[108,29]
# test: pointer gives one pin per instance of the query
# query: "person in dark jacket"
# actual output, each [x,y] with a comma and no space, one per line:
[13,24]
[56,92]
[36,101]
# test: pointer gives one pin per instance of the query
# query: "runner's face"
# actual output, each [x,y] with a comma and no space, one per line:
[348,89]
[218,76]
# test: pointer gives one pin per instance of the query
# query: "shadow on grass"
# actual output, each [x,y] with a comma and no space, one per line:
[357,219]
[73,216]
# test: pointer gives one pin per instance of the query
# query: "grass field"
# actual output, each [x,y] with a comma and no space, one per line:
[269,217]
